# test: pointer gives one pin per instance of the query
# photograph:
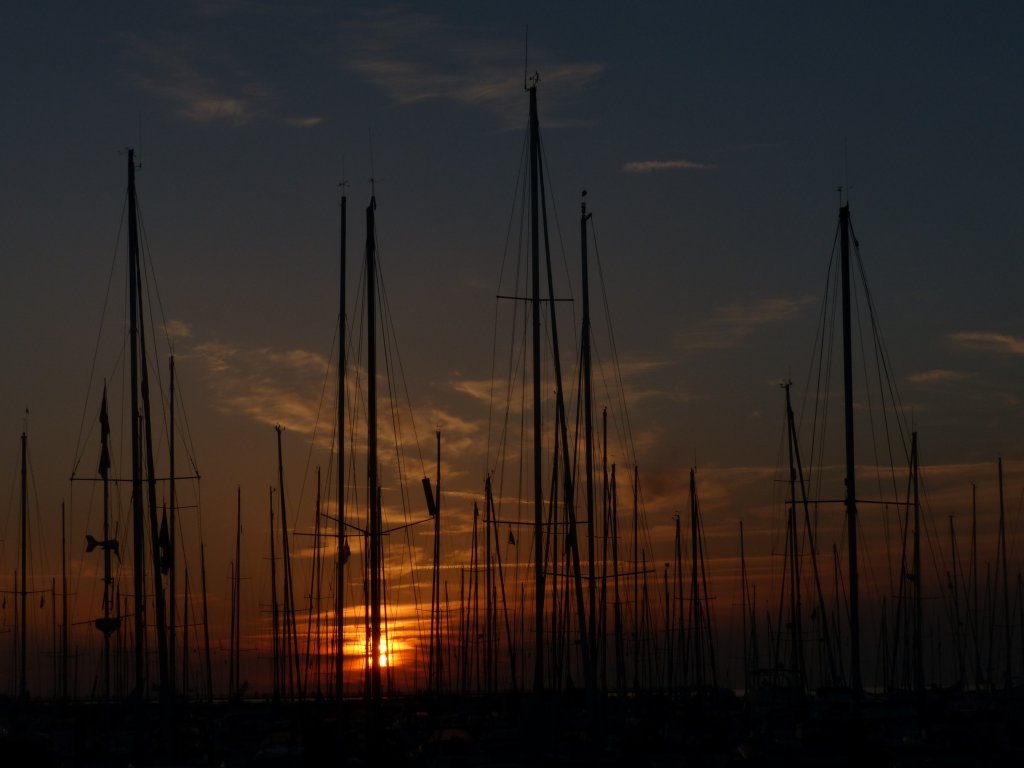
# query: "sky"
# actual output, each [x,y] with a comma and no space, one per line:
[711,140]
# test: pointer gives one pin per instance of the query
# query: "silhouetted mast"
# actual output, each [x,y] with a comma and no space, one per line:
[172,533]
[796,607]
[138,531]
[851,482]
[339,581]
[23,647]
[538,500]
[1007,626]
[588,428]
[275,621]
[917,580]
[371,469]
[291,640]
[108,625]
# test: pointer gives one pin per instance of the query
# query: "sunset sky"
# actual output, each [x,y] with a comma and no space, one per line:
[711,141]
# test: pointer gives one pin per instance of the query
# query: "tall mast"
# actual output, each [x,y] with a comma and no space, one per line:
[744,609]
[206,623]
[22,648]
[571,541]
[108,626]
[974,601]
[138,532]
[314,601]
[636,580]
[1008,628]
[696,620]
[274,615]
[236,572]
[172,533]
[588,426]
[958,641]
[917,581]
[796,607]
[63,606]
[371,453]
[851,483]
[434,508]
[538,500]
[620,649]
[291,641]
[160,607]
[339,581]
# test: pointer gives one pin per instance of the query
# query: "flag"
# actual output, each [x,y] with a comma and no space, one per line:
[166,556]
[104,433]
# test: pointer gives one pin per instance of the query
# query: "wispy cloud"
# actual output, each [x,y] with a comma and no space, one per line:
[733,323]
[416,57]
[304,122]
[939,375]
[649,166]
[177,329]
[207,85]
[270,386]
[989,342]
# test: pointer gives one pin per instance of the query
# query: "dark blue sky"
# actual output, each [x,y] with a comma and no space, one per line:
[743,118]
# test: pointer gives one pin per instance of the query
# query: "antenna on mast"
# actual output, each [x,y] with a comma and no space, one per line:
[373,174]
[526,58]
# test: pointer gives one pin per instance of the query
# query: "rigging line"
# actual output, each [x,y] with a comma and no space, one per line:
[186,431]
[392,352]
[148,270]
[518,194]
[548,184]
[825,341]
[628,440]
[99,335]
[314,435]
[879,369]
[825,320]
[887,358]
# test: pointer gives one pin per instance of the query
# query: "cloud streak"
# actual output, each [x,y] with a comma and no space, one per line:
[415,57]
[989,342]
[208,87]
[733,323]
[939,376]
[649,166]
[270,386]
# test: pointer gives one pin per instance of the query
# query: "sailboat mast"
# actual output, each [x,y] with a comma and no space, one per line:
[434,660]
[1007,626]
[371,469]
[796,608]
[107,581]
[274,617]
[588,427]
[138,532]
[291,641]
[339,581]
[538,499]
[63,606]
[917,582]
[851,484]
[22,650]
[236,616]
[206,623]
[172,532]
